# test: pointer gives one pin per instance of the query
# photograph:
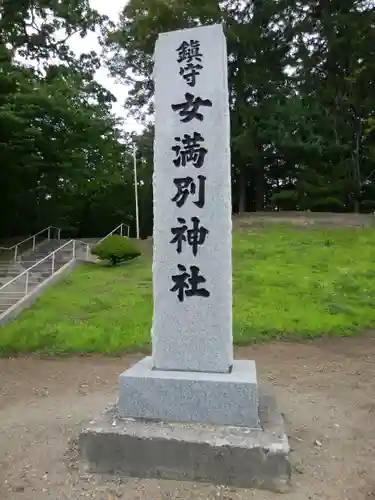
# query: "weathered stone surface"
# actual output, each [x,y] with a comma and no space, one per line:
[223,455]
[196,333]
[217,398]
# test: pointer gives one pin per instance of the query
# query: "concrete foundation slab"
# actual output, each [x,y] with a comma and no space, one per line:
[237,456]
[215,398]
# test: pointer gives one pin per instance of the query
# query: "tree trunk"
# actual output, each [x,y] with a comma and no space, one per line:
[242,192]
[357,168]
[260,188]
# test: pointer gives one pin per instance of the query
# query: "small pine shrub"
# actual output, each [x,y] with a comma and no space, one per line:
[116,249]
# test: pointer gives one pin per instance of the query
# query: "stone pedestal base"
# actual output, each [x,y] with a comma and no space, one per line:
[214,398]
[238,456]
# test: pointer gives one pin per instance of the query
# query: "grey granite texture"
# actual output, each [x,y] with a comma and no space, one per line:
[194,452]
[195,333]
[216,398]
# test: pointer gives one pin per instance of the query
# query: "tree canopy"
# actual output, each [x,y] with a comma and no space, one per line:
[65,159]
[301,79]
[301,94]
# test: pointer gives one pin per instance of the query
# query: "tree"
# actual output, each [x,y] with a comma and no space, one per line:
[258,44]
[300,81]
[337,71]
[64,161]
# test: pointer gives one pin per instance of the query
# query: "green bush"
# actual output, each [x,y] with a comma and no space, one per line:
[116,249]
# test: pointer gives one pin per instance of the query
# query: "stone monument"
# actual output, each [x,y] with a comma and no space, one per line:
[190,411]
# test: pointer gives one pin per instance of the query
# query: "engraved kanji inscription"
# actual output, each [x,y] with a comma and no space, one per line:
[189,150]
[188,284]
[189,109]
[189,51]
[187,186]
[194,237]
[190,72]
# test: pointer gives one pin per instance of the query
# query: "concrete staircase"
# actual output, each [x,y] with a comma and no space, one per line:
[21,277]
[40,261]
[28,259]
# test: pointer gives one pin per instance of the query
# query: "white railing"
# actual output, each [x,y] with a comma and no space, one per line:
[20,286]
[17,288]
[87,245]
[120,228]
[15,249]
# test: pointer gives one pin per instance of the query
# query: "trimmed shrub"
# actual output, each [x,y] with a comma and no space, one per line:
[116,249]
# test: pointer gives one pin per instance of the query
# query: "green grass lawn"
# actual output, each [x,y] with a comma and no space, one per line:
[286,283]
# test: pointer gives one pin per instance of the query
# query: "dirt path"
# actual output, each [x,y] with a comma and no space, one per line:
[326,390]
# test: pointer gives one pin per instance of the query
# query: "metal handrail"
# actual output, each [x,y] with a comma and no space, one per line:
[32,237]
[121,227]
[87,247]
[52,255]
[27,271]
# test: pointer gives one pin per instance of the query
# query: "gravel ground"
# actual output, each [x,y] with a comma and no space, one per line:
[325,389]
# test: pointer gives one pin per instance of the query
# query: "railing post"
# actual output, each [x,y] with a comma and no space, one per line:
[128,231]
[49,233]
[34,243]
[53,262]
[74,249]
[27,283]
[15,253]
[58,233]
[87,251]
[121,229]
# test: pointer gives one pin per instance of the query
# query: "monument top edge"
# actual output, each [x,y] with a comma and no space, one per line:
[211,27]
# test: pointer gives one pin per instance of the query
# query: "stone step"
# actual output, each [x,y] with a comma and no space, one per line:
[46,259]
[19,285]
[10,274]
[36,258]
[8,301]
[40,271]
[45,267]
[31,262]
[36,272]
[41,255]
[12,289]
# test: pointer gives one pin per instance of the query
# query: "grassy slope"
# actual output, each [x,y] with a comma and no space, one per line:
[286,282]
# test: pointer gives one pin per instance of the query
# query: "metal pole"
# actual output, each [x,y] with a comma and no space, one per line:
[53,262]
[15,253]
[49,233]
[120,229]
[74,249]
[27,283]
[136,190]
[34,241]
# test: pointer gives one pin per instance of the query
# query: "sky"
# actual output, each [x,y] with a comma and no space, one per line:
[112,9]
